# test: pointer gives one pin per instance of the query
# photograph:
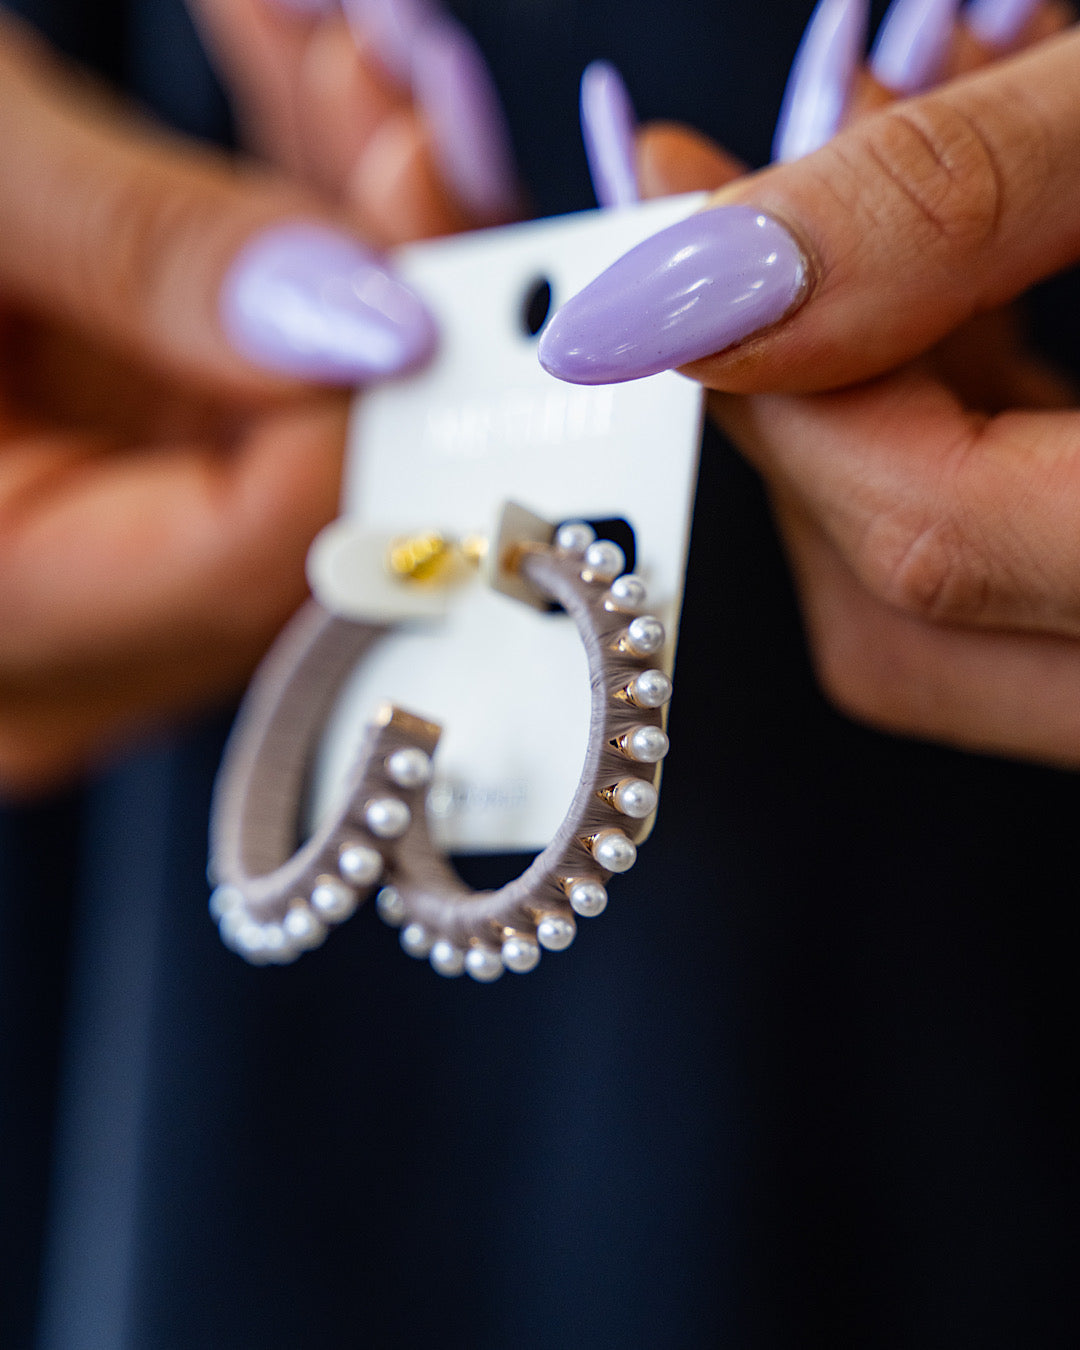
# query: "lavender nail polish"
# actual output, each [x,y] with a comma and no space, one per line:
[470,137]
[999,23]
[821,77]
[607,125]
[392,27]
[912,44]
[304,300]
[689,291]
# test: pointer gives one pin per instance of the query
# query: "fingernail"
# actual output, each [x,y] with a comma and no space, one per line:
[303,300]
[689,291]
[821,77]
[607,126]
[999,23]
[470,137]
[912,44]
[392,27]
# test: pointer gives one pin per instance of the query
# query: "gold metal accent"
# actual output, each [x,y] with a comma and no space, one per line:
[417,731]
[418,557]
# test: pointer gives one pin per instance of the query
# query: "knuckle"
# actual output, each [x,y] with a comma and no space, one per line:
[944,171]
[928,569]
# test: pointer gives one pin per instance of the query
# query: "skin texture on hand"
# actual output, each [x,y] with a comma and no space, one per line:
[158,489]
[923,464]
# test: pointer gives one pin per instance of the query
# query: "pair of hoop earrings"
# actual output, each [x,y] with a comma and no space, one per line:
[272,903]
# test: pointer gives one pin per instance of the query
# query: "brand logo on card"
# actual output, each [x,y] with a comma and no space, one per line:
[453,798]
[519,419]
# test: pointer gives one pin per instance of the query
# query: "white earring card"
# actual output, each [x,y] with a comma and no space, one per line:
[441,451]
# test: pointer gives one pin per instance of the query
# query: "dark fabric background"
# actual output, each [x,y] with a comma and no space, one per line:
[811,1079]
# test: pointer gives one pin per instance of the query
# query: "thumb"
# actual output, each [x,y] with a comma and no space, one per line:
[229,278]
[848,262]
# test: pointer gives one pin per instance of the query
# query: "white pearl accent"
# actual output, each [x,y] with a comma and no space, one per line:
[359,864]
[387,817]
[409,767]
[231,923]
[650,689]
[603,561]
[574,537]
[240,932]
[277,949]
[613,851]
[483,965]
[331,899]
[645,635]
[223,900]
[447,959]
[302,928]
[520,954]
[588,898]
[647,745]
[635,798]
[555,932]
[628,590]
[416,940]
[391,906]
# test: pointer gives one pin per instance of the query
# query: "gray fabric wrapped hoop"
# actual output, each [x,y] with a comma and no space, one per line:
[273,900]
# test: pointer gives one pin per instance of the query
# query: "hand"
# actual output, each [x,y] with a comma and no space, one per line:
[924,466]
[162,467]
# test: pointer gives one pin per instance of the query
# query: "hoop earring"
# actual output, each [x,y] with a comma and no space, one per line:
[272,903]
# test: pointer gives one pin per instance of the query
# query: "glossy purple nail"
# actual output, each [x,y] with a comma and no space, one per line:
[607,126]
[821,77]
[999,23]
[689,291]
[912,44]
[392,27]
[470,137]
[304,300]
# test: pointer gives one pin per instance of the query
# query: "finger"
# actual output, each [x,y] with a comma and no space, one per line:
[210,546]
[176,258]
[1000,693]
[850,261]
[395,188]
[673,158]
[944,515]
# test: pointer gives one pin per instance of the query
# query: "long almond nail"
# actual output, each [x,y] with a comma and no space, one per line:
[912,44]
[689,291]
[999,23]
[607,125]
[306,301]
[821,78]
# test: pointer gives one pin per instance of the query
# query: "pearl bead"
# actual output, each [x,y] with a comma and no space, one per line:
[391,906]
[387,817]
[247,939]
[277,949]
[359,864]
[647,745]
[635,798]
[588,898]
[555,932]
[230,924]
[574,537]
[613,851]
[645,635]
[302,928]
[603,561]
[650,689]
[223,900]
[447,959]
[483,965]
[628,591]
[409,767]
[416,940]
[331,899]
[520,954]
